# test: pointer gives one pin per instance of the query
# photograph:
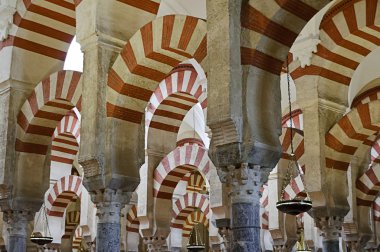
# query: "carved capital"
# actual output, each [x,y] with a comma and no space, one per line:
[244,181]
[330,226]
[109,204]
[304,48]
[17,222]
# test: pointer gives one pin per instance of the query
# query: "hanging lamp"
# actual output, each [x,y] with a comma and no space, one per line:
[297,205]
[195,241]
[38,237]
[301,245]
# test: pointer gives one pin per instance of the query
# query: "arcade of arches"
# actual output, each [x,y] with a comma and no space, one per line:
[180,119]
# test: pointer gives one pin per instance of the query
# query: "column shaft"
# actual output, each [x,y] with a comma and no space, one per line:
[17,243]
[108,237]
[331,246]
[245,227]
[245,208]
[109,204]
[17,226]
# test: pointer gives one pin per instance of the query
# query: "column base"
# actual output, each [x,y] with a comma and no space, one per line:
[16,243]
[108,237]
[331,246]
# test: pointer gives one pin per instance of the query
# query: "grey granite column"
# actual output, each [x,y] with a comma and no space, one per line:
[245,209]
[109,204]
[245,182]
[331,228]
[17,226]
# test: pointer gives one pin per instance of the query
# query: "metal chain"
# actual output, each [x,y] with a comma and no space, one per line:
[289,174]
[290,106]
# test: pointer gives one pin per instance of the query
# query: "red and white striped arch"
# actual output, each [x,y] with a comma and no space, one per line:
[78,237]
[375,152]
[368,186]
[298,144]
[65,144]
[297,120]
[264,200]
[195,182]
[173,98]
[376,209]
[176,164]
[193,219]
[295,188]
[148,57]
[349,32]
[372,94]
[40,37]
[133,222]
[357,127]
[265,220]
[64,191]
[186,204]
[72,221]
[49,102]
[273,24]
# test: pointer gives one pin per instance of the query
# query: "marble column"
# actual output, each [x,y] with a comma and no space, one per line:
[17,226]
[245,182]
[331,228]
[109,204]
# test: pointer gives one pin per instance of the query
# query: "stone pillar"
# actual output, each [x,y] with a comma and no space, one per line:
[245,182]
[331,228]
[17,226]
[109,204]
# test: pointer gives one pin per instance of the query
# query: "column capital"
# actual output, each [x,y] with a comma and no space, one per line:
[101,39]
[330,226]
[17,222]
[109,203]
[244,180]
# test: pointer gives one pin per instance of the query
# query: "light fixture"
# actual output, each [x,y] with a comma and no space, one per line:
[195,241]
[297,205]
[37,237]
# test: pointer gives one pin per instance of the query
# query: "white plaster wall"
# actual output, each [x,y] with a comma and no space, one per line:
[194,119]
[74,57]
[195,8]
[367,71]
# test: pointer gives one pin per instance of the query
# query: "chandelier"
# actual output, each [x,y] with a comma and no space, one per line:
[297,205]
[37,237]
[195,241]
